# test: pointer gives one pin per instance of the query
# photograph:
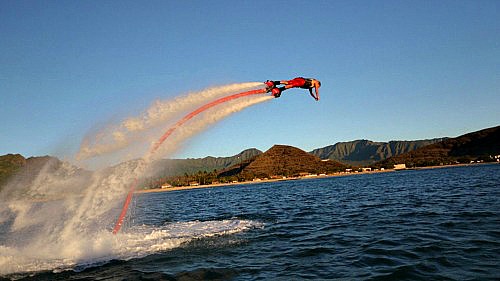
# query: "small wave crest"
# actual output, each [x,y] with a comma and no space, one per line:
[103,247]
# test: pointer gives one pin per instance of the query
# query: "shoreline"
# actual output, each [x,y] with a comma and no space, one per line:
[155,190]
[178,188]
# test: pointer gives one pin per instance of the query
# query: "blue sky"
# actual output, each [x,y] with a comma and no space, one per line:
[390,70]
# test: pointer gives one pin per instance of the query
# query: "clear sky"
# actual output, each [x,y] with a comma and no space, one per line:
[390,70]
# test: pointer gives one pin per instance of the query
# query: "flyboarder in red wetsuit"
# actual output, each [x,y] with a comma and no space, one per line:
[299,82]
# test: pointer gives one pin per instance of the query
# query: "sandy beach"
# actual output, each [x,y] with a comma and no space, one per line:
[258,181]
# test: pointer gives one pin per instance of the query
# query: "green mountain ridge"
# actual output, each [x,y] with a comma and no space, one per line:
[172,167]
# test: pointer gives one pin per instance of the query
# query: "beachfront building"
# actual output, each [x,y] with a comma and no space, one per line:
[165,186]
[399,166]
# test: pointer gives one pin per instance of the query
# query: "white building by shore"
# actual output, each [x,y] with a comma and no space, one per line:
[399,166]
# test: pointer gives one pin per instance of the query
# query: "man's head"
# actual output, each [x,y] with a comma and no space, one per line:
[316,83]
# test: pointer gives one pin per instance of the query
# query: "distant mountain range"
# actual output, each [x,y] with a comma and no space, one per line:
[366,152]
[288,160]
[353,153]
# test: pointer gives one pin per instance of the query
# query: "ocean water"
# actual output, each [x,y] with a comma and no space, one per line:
[435,224]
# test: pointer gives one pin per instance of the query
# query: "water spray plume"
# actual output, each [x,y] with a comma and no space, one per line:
[202,121]
[137,129]
[59,216]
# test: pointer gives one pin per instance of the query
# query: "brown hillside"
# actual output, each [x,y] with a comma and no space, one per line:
[472,146]
[283,160]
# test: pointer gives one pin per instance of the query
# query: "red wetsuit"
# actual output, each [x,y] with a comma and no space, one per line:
[300,82]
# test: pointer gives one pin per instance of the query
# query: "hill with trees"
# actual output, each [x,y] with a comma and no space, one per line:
[9,165]
[283,160]
[18,174]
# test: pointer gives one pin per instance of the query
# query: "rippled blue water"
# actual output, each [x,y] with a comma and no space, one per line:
[436,224]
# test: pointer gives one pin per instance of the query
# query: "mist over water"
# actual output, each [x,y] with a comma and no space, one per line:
[62,218]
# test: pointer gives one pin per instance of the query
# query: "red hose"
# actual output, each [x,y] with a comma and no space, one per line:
[119,222]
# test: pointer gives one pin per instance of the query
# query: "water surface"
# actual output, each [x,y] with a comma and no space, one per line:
[436,224]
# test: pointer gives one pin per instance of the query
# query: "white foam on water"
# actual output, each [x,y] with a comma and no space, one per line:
[104,246]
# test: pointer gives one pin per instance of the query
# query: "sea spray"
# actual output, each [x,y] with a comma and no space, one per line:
[62,218]
[49,232]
